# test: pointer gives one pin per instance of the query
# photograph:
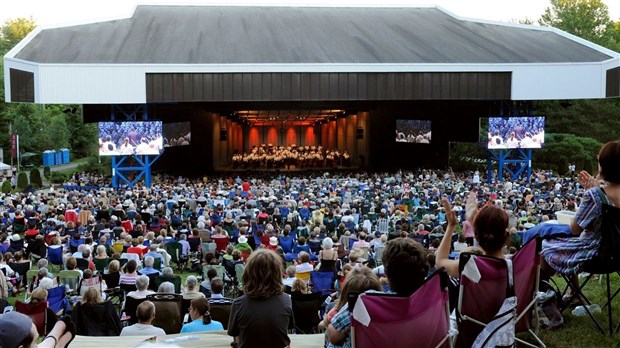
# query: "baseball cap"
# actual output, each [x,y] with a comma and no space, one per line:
[14,329]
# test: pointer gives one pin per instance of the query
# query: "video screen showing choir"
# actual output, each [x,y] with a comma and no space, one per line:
[130,138]
[413,131]
[516,132]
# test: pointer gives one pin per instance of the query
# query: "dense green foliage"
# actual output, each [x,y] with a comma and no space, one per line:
[96,165]
[46,171]
[35,178]
[6,186]
[22,181]
[41,127]
[57,178]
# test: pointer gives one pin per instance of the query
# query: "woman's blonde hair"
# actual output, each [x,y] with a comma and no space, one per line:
[38,295]
[299,286]
[92,295]
[357,281]
[262,277]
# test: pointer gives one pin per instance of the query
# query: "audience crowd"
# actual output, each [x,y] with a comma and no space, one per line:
[246,240]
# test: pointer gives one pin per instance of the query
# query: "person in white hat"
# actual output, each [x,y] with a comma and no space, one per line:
[273,244]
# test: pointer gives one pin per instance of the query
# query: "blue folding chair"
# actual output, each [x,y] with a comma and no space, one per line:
[286,243]
[322,282]
[57,301]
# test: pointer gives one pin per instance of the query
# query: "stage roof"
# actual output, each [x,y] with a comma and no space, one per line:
[107,62]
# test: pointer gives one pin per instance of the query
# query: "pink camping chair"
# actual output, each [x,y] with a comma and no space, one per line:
[381,320]
[480,301]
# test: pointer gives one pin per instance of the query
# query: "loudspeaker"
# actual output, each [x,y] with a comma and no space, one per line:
[360,133]
[223,134]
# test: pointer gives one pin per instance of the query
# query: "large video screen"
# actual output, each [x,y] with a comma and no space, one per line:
[516,132]
[177,134]
[413,131]
[130,138]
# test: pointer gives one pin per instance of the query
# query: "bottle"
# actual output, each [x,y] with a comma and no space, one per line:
[580,311]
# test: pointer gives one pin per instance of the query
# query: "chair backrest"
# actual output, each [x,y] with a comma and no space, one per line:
[56,298]
[82,263]
[194,244]
[221,270]
[36,312]
[20,267]
[305,276]
[379,254]
[94,282]
[221,243]
[111,279]
[379,320]
[54,255]
[306,309]
[286,243]
[98,319]
[526,273]
[176,280]
[128,287]
[131,305]
[101,264]
[167,312]
[153,281]
[315,246]
[480,301]
[118,247]
[174,249]
[220,312]
[322,282]
[70,278]
[131,256]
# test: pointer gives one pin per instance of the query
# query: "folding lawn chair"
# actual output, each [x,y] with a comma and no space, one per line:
[606,262]
[420,320]
[306,309]
[480,299]
[322,282]
[37,312]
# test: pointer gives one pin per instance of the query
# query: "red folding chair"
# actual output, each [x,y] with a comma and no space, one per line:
[480,301]
[36,312]
[221,243]
[381,320]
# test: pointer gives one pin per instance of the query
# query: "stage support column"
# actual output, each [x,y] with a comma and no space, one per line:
[341,133]
[215,135]
[351,143]
[362,139]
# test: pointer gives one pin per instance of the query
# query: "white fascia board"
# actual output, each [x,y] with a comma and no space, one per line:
[125,83]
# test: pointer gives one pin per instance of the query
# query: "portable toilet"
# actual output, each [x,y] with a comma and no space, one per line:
[65,156]
[48,158]
[58,158]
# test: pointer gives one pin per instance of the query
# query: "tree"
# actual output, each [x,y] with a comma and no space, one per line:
[14,30]
[35,178]
[6,186]
[22,181]
[588,19]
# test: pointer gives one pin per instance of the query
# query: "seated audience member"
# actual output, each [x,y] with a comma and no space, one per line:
[154,253]
[290,276]
[148,267]
[90,281]
[299,286]
[145,314]
[264,314]
[405,265]
[201,319]
[92,296]
[304,263]
[191,289]
[142,285]
[491,232]
[18,331]
[206,284]
[130,275]
[460,243]
[166,288]
[217,288]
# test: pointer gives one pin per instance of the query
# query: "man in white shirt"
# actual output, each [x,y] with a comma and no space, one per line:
[145,314]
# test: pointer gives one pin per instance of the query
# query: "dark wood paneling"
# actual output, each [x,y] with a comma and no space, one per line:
[613,83]
[240,87]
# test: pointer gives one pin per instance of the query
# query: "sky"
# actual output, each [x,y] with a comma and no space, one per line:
[56,12]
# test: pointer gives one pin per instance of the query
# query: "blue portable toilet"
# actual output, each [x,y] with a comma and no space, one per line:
[65,156]
[58,158]
[48,158]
